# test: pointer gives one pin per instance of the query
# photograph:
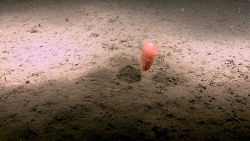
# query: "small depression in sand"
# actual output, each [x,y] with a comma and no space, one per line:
[129,74]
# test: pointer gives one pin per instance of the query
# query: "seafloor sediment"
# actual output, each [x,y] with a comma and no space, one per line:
[69,70]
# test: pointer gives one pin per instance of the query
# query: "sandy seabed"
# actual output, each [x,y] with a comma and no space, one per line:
[69,70]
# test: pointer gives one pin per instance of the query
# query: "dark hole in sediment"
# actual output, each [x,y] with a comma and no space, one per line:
[129,74]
